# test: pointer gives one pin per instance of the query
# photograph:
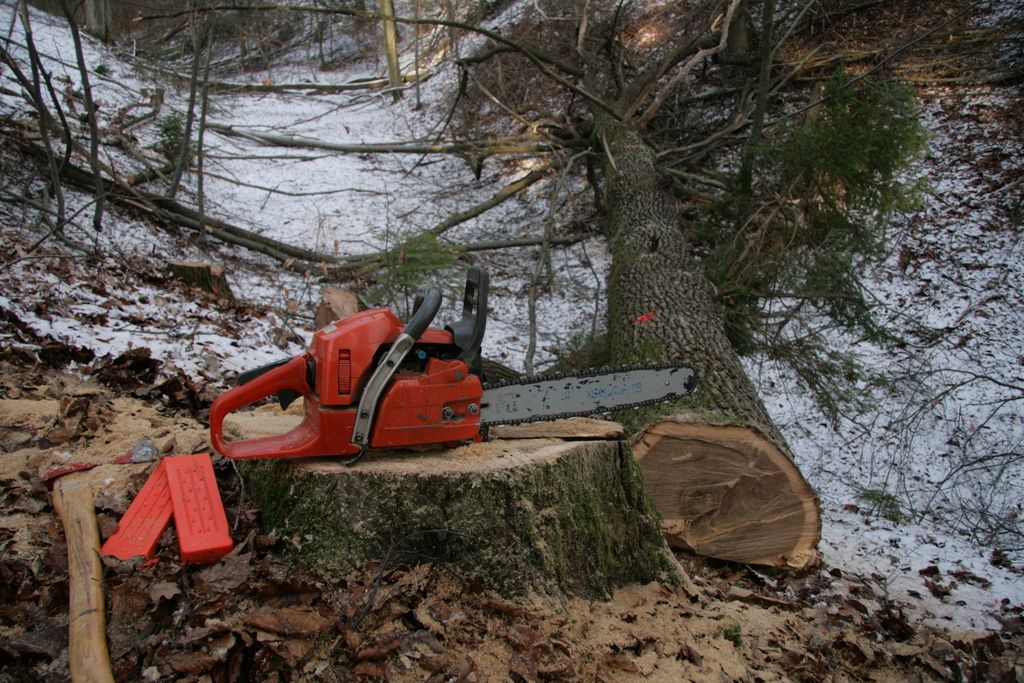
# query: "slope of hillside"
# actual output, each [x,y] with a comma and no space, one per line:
[920,482]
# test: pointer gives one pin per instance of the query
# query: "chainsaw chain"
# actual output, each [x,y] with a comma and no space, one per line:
[592,372]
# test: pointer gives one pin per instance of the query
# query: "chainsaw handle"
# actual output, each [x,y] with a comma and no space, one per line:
[289,376]
[423,315]
[468,333]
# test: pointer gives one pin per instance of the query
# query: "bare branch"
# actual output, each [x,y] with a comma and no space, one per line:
[497,198]
[478,148]
[696,59]
[524,242]
[642,86]
[90,112]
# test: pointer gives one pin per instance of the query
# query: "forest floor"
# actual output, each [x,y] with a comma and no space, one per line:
[258,615]
[100,350]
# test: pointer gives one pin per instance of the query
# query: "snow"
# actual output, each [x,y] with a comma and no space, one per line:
[952,395]
[952,286]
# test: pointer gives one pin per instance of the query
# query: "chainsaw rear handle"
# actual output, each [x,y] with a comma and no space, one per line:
[423,314]
[289,376]
[468,333]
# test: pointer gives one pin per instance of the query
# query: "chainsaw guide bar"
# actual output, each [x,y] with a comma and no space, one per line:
[603,390]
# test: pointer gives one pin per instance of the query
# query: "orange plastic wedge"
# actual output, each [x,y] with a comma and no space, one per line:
[145,521]
[199,518]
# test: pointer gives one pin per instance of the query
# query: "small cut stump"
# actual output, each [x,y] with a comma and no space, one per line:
[544,514]
[209,277]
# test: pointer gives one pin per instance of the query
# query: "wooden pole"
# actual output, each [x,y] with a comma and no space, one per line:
[89,659]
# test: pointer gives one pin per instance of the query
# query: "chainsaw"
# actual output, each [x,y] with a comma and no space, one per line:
[368,381]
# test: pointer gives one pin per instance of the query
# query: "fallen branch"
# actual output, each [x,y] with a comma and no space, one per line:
[364,263]
[525,242]
[319,88]
[477,148]
[292,258]
[497,198]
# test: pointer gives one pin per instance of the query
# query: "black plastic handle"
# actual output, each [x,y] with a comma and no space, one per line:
[468,333]
[285,397]
[424,314]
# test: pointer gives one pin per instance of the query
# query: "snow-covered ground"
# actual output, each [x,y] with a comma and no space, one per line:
[941,433]
[952,287]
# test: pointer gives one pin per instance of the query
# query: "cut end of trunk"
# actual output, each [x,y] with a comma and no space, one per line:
[728,492]
[335,304]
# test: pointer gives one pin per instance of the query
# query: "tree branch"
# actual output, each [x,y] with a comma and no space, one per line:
[497,198]
[641,87]
[696,59]
[478,148]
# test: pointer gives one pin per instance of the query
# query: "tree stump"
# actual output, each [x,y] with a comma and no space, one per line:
[208,277]
[335,304]
[541,514]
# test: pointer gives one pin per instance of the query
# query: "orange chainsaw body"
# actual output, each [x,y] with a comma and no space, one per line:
[432,397]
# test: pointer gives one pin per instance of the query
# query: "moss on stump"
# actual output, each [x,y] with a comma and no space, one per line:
[533,514]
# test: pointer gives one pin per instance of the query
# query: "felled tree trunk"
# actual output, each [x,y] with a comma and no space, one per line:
[717,468]
[548,515]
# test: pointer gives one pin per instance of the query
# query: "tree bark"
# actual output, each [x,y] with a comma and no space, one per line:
[99,19]
[735,495]
[387,10]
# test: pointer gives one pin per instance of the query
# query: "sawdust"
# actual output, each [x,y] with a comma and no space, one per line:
[649,633]
[522,448]
[62,426]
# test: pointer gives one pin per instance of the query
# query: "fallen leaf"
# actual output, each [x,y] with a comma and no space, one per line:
[521,668]
[937,589]
[291,650]
[164,590]
[902,649]
[621,661]
[434,664]
[692,655]
[290,621]
[503,607]
[380,648]
[352,638]
[192,662]
[377,670]
[228,574]
[133,368]
[48,642]
[128,601]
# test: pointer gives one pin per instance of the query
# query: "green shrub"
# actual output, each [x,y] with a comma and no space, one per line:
[823,193]
[408,267]
[170,130]
[882,503]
